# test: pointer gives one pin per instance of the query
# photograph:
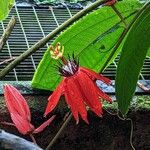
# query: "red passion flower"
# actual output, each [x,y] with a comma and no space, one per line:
[79,88]
[20,112]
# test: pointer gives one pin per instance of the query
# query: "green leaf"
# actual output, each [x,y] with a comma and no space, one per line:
[132,58]
[148,54]
[5,6]
[92,39]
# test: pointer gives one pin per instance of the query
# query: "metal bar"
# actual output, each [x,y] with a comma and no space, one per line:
[115,64]
[37,18]
[34,66]
[67,9]
[52,11]
[142,77]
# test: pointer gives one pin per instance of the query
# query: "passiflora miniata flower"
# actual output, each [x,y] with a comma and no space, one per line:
[20,112]
[79,88]
[110,2]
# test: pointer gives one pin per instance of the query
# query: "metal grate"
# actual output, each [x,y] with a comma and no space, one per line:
[33,24]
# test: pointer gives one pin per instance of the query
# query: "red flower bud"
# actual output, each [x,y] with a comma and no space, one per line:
[20,112]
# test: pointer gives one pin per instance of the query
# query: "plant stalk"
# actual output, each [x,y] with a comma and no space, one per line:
[59,132]
[33,139]
[7,60]
[7,32]
[119,15]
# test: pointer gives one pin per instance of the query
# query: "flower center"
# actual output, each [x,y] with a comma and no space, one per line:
[69,67]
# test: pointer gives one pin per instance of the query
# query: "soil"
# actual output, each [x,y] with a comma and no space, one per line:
[106,133]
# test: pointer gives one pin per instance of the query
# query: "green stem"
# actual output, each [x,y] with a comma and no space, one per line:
[122,36]
[44,40]
[59,132]
[119,15]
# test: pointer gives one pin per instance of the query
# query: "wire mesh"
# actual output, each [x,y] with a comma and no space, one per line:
[32,25]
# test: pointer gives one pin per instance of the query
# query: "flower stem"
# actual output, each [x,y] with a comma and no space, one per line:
[7,123]
[64,60]
[119,15]
[33,139]
[59,132]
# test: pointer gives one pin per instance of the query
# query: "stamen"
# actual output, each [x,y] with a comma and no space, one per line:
[70,66]
[56,52]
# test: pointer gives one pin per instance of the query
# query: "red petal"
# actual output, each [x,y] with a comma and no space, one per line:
[54,98]
[44,125]
[72,106]
[89,93]
[15,102]
[93,75]
[21,124]
[103,95]
[75,100]
[110,2]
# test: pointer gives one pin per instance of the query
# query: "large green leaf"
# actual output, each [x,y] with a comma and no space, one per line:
[148,54]
[5,6]
[132,58]
[91,39]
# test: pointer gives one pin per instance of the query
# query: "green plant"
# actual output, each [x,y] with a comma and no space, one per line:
[5,7]
[97,39]
[132,58]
